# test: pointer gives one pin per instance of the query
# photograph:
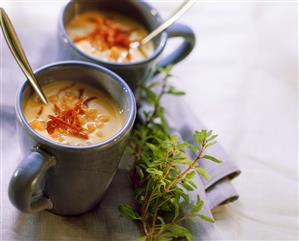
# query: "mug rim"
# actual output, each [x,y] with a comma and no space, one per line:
[158,50]
[129,120]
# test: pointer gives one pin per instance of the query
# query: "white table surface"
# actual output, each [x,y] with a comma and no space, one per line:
[241,81]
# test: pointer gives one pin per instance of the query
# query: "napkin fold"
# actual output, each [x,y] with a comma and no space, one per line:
[218,187]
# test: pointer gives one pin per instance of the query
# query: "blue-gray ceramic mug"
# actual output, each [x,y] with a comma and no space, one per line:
[135,73]
[69,180]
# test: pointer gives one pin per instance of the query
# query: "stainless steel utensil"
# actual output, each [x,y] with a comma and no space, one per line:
[174,17]
[16,49]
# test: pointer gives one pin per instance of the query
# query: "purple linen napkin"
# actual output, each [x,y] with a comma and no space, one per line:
[218,187]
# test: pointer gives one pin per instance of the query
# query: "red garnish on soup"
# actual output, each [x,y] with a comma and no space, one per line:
[106,35]
[68,120]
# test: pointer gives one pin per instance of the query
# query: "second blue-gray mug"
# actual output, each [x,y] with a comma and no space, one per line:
[134,73]
[69,180]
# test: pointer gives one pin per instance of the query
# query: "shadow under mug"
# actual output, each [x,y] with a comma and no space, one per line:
[69,180]
[134,73]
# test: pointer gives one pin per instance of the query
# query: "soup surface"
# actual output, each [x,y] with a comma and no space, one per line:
[107,35]
[77,114]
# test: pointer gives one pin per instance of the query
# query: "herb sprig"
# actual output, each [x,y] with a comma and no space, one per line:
[162,174]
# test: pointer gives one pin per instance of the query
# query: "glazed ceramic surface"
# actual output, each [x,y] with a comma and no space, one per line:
[64,179]
[134,73]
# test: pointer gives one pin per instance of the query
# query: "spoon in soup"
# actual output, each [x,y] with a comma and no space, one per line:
[16,49]
[174,17]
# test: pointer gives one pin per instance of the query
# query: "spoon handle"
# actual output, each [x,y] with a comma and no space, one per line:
[16,49]
[181,10]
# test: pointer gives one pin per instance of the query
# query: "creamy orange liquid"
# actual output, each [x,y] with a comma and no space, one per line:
[96,120]
[85,24]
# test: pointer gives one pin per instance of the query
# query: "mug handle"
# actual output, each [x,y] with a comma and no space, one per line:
[25,179]
[184,49]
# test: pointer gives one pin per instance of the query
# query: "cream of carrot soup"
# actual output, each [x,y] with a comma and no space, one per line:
[77,114]
[107,35]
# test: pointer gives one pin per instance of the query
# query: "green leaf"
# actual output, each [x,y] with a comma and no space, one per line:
[190,146]
[154,171]
[185,197]
[178,93]
[176,208]
[212,138]
[152,85]
[183,161]
[198,138]
[172,90]
[160,114]
[209,133]
[206,218]
[203,134]
[152,147]
[190,175]
[211,158]
[162,222]
[192,184]
[180,231]
[211,144]
[151,96]
[128,212]
[198,206]
[167,236]
[203,173]
[140,172]
[187,186]
[165,69]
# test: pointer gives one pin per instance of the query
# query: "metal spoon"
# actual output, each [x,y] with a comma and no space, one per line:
[174,17]
[16,49]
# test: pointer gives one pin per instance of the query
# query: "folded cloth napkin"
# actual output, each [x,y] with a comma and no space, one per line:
[218,187]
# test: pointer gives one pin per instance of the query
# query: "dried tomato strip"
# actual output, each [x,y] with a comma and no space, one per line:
[40,111]
[68,120]
[108,33]
[71,117]
[51,126]
[57,110]
[78,134]
[64,124]
[78,107]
